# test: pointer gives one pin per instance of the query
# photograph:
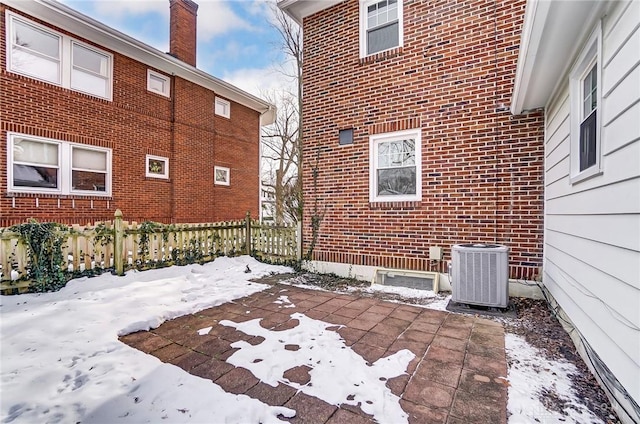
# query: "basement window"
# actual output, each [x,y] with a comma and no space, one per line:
[421,280]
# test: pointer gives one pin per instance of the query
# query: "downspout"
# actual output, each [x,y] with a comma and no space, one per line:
[172,192]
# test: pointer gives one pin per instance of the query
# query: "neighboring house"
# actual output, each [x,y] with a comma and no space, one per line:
[267,203]
[580,61]
[408,138]
[94,120]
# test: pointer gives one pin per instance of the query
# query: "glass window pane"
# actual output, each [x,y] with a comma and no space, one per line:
[89,181]
[156,84]
[157,166]
[90,60]
[36,66]
[396,181]
[89,159]
[35,152]
[383,38]
[35,176]
[36,40]
[89,83]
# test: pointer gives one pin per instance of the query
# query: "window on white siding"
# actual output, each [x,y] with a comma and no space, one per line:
[223,107]
[586,110]
[158,83]
[221,175]
[41,53]
[380,26]
[395,167]
[157,167]
[40,165]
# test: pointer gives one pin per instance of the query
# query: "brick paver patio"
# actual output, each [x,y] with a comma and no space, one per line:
[456,377]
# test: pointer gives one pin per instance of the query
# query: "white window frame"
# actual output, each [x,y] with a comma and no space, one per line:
[226,170]
[591,54]
[363,27]
[165,79]
[222,107]
[65,167]
[65,62]
[148,173]
[374,140]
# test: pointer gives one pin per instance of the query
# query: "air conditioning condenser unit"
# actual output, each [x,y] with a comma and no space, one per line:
[480,274]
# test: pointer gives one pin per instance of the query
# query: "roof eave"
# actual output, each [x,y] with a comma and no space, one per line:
[552,35]
[77,23]
[300,9]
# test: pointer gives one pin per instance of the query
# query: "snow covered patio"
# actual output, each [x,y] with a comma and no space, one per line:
[392,358]
[275,353]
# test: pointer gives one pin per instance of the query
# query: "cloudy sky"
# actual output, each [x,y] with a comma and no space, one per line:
[235,39]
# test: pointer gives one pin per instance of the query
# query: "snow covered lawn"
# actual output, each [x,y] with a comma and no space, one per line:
[61,361]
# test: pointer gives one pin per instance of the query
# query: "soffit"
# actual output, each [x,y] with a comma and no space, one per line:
[552,36]
[300,9]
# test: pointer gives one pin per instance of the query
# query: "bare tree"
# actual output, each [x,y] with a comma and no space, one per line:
[282,141]
[280,153]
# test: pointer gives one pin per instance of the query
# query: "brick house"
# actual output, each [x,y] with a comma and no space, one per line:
[94,120]
[408,140]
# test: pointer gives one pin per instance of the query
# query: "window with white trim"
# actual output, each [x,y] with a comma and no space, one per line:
[42,165]
[158,83]
[381,26]
[395,167]
[221,175]
[38,52]
[586,110]
[157,167]
[223,107]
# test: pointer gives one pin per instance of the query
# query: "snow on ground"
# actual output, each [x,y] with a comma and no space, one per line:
[531,376]
[337,374]
[61,360]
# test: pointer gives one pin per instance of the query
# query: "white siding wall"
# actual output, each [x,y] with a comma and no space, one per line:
[592,228]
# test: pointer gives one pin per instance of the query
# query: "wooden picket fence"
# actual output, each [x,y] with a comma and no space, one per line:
[120,246]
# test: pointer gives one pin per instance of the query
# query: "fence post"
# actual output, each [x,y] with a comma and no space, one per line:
[118,238]
[247,223]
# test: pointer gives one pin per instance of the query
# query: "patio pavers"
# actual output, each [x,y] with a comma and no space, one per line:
[457,375]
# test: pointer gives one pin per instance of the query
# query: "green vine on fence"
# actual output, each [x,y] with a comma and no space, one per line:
[104,234]
[44,242]
[145,230]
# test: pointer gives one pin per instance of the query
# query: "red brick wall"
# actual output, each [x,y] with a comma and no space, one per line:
[136,123]
[482,175]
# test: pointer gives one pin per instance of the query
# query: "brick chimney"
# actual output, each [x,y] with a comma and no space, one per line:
[182,30]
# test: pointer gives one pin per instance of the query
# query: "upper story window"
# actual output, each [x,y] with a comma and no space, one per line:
[223,107]
[41,53]
[42,165]
[158,83]
[380,26]
[586,105]
[395,167]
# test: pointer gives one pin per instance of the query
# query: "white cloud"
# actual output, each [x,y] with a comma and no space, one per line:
[217,17]
[260,81]
[122,8]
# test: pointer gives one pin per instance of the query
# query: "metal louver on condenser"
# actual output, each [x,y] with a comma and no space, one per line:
[480,274]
